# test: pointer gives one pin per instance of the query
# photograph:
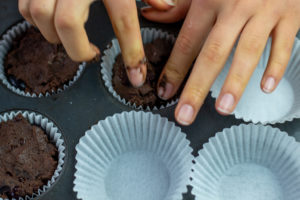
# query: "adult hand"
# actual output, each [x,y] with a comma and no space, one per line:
[62,21]
[215,25]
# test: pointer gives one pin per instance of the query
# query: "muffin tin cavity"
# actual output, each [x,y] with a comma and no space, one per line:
[109,59]
[133,156]
[54,136]
[17,85]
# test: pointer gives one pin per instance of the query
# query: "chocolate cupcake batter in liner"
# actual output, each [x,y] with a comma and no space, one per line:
[34,154]
[158,46]
[51,75]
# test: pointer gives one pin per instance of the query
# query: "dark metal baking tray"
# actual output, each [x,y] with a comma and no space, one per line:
[86,102]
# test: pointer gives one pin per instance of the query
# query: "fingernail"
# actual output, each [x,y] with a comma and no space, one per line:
[170,2]
[226,103]
[185,114]
[269,85]
[135,76]
[165,92]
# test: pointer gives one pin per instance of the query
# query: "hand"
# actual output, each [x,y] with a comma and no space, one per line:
[62,21]
[215,25]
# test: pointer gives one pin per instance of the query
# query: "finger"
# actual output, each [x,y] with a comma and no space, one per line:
[282,44]
[250,47]
[69,19]
[173,15]
[25,11]
[161,5]
[42,13]
[123,15]
[185,50]
[208,65]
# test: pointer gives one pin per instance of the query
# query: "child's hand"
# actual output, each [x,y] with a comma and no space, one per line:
[217,24]
[62,21]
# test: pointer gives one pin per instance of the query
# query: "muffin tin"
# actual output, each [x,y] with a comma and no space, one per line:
[87,101]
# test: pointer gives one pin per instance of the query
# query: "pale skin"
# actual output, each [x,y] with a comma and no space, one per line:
[209,32]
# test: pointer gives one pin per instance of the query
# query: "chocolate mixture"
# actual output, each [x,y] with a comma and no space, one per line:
[157,54]
[27,159]
[36,66]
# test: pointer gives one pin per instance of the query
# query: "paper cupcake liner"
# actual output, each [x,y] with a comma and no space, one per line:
[278,107]
[248,162]
[108,60]
[133,156]
[55,137]
[5,46]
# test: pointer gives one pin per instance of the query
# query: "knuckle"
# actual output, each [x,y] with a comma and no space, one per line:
[213,53]
[185,44]
[173,72]
[239,80]
[38,10]
[278,64]
[245,7]
[197,93]
[252,45]
[275,14]
[66,21]
[126,23]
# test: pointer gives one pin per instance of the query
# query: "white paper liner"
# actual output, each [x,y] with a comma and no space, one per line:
[133,156]
[108,60]
[248,162]
[5,46]
[278,107]
[55,137]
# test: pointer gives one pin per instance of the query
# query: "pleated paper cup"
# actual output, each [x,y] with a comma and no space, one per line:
[248,162]
[6,45]
[109,58]
[55,137]
[133,156]
[258,107]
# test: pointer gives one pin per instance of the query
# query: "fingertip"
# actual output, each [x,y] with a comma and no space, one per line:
[225,104]
[268,85]
[137,75]
[185,114]
[165,89]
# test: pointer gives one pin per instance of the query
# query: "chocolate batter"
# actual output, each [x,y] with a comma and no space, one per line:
[157,54]
[27,158]
[36,66]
